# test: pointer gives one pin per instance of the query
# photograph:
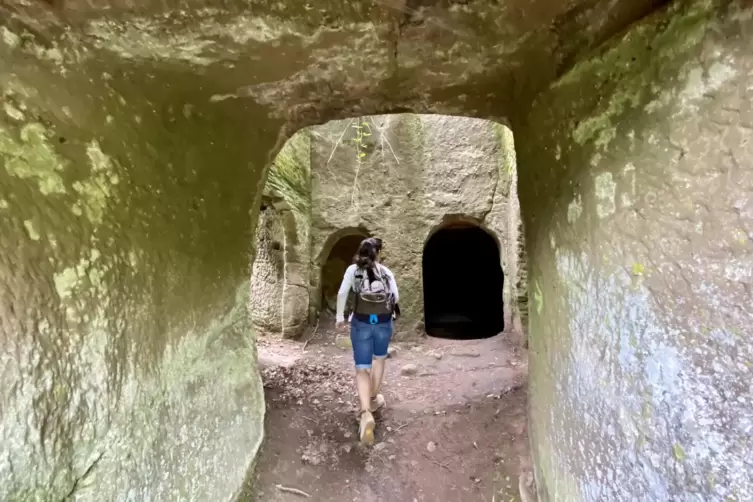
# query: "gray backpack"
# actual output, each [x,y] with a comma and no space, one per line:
[374,301]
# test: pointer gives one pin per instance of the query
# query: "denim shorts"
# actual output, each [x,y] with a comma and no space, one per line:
[370,341]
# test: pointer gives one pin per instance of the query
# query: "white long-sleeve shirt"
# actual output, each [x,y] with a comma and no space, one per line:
[347,286]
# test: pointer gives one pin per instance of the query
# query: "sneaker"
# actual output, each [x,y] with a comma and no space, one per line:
[377,403]
[366,428]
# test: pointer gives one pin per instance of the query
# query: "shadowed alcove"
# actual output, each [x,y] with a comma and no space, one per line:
[463,283]
[334,267]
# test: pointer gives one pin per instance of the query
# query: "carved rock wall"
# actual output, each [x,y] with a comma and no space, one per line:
[638,204]
[127,360]
[268,273]
[410,175]
[134,139]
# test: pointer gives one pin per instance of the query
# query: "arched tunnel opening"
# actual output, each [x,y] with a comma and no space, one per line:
[333,268]
[133,150]
[463,283]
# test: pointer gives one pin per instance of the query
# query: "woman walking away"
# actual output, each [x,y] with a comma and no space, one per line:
[378,247]
[375,294]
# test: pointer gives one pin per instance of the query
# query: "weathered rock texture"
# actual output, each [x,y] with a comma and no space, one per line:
[127,363]
[639,212]
[134,138]
[268,272]
[399,177]
[410,176]
[279,281]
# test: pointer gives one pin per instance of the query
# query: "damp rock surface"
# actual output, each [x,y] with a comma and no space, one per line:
[135,139]
[642,263]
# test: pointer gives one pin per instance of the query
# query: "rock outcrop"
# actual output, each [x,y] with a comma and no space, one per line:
[408,177]
[268,272]
[400,177]
[134,141]
[638,213]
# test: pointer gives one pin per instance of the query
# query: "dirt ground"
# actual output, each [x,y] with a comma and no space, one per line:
[454,428]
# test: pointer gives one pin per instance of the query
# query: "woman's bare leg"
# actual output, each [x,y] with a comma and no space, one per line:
[382,336]
[363,384]
[377,374]
[366,422]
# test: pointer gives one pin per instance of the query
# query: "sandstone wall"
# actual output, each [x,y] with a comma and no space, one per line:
[127,363]
[637,193]
[295,293]
[517,259]
[133,140]
[279,282]
[417,172]
[268,272]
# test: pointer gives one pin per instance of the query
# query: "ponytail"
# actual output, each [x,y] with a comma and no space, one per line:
[366,258]
[367,264]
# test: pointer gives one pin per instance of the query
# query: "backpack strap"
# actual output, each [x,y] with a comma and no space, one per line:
[357,279]
[384,277]
[388,283]
[378,272]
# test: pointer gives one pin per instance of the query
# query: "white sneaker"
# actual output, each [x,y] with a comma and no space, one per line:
[366,428]
[378,402]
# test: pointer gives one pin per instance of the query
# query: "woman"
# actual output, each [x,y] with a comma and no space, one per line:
[370,327]
[377,243]
[378,246]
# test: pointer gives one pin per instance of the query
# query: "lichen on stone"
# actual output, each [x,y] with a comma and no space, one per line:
[201,38]
[31,156]
[628,328]
[31,231]
[605,193]
[631,67]
[9,38]
[13,112]
[95,191]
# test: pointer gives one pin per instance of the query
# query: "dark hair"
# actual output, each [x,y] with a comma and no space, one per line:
[377,243]
[366,256]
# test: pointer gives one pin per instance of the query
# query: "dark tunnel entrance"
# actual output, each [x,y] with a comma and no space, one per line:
[463,284]
[333,269]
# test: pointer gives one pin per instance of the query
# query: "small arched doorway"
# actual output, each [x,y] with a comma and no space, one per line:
[334,264]
[463,283]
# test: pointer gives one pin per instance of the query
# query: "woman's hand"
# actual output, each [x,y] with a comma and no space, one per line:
[340,326]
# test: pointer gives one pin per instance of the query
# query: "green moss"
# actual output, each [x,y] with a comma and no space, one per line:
[131,302]
[506,141]
[682,29]
[538,298]
[290,175]
[627,69]
[191,362]
[13,112]
[413,128]
[600,127]
[678,452]
[557,478]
